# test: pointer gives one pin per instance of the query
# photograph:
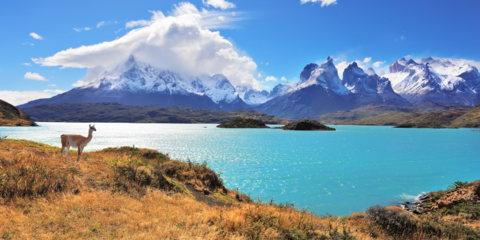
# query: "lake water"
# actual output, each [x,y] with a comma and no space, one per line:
[337,172]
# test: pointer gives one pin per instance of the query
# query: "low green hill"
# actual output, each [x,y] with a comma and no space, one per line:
[13,116]
[116,112]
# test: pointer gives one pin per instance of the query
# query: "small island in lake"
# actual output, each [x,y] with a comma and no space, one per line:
[243,123]
[307,125]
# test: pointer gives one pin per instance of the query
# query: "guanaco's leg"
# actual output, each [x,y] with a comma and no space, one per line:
[68,149]
[79,152]
[63,149]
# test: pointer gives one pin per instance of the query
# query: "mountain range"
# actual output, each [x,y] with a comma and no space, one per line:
[320,89]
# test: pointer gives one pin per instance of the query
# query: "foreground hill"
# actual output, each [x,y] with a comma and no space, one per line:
[116,112]
[126,192]
[13,116]
[433,113]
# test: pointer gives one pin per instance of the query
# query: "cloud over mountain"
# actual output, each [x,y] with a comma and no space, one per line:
[181,42]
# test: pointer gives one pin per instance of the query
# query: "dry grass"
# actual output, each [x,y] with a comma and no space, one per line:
[136,193]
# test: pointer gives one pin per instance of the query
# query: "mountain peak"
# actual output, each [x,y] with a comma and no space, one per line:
[370,72]
[131,59]
[307,71]
[411,62]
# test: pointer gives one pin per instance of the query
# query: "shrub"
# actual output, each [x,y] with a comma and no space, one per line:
[476,190]
[471,210]
[448,230]
[458,184]
[394,222]
[437,195]
[131,175]
[22,177]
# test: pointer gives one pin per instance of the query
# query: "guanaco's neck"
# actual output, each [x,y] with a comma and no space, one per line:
[89,135]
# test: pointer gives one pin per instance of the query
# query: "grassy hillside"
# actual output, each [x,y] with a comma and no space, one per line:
[13,116]
[115,112]
[126,192]
[424,115]
[470,119]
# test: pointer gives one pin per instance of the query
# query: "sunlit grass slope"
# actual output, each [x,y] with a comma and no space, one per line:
[136,193]
[13,116]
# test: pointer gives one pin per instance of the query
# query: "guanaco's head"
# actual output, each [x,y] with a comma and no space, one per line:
[92,128]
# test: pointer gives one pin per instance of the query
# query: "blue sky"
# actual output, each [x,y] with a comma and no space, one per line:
[274,39]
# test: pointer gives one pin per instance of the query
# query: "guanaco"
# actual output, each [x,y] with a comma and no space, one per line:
[72,140]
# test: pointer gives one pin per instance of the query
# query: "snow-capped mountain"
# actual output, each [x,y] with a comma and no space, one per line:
[369,88]
[255,97]
[435,79]
[319,91]
[138,83]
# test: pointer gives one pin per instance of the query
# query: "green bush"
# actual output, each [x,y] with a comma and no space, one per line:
[458,184]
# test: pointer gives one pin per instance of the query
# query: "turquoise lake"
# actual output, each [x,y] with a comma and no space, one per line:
[338,172]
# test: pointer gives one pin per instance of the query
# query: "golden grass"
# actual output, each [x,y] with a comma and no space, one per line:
[91,205]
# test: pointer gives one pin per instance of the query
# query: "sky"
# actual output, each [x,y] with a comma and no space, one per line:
[48,47]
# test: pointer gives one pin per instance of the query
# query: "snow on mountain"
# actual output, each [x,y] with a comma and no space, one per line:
[255,97]
[325,75]
[370,88]
[133,81]
[435,79]
[280,89]
[319,91]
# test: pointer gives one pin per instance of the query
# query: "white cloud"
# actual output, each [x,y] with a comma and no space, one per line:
[403,37]
[36,36]
[260,75]
[57,91]
[221,18]
[324,2]
[271,79]
[26,64]
[341,67]
[219,4]
[381,72]
[181,42]
[52,85]
[17,97]
[378,64]
[27,43]
[139,23]
[283,79]
[100,24]
[367,59]
[81,29]
[34,76]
